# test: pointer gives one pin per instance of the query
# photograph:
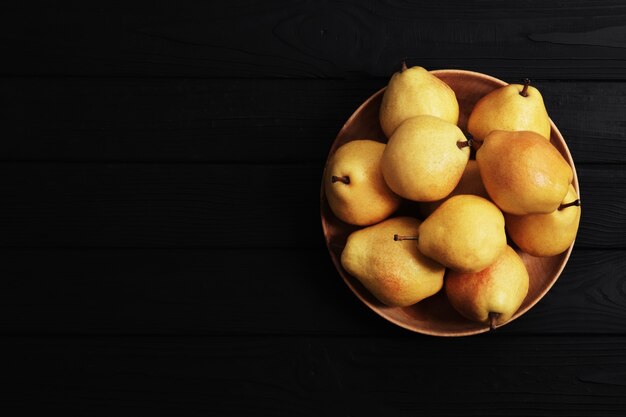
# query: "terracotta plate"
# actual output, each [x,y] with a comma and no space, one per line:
[435,315]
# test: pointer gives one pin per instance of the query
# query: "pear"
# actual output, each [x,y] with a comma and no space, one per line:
[354,184]
[522,172]
[423,160]
[546,234]
[413,92]
[466,233]
[492,295]
[470,183]
[397,274]
[513,107]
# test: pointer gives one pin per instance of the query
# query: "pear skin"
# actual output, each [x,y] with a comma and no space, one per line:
[470,183]
[522,172]
[546,234]
[396,273]
[493,294]
[422,160]
[506,108]
[354,184]
[413,92]
[466,233]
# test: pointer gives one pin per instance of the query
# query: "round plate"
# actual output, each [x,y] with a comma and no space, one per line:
[435,315]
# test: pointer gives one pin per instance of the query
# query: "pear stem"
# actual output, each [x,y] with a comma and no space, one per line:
[573,203]
[492,320]
[524,92]
[467,143]
[398,237]
[345,179]
[404,67]
[464,144]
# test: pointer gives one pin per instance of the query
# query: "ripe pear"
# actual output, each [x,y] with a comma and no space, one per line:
[422,160]
[466,233]
[397,274]
[470,183]
[413,92]
[522,172]
[546,234]
[514,108]
[492,295]
[354,184]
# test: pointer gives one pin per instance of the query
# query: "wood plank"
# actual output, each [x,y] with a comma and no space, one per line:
[213,205]
[302,40]
[491,376]
[602,224]
[205,120]
[226,121]
[217,291]
[254,292]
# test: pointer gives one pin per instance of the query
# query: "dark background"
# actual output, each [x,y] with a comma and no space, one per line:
[160,165]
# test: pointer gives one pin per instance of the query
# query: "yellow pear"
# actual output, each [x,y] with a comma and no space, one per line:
[354,184]
[546,234]
[492,295]
[466,233]
[470,183]
[423,160]
[413,92]
[522,172]
[513,107]
[396,273]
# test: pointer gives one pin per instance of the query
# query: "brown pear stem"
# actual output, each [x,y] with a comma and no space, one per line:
[492,320]
[464,143]
[345,179]
[467,143]
[524,92]
[573,203]
[404,67]
[398,237]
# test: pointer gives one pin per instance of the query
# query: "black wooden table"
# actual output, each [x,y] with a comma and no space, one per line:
[160,171]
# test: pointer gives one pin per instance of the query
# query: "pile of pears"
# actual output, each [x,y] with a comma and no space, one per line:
[480,194]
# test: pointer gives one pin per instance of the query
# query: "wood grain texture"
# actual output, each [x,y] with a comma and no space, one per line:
[195,292]
[238,121]
[214,205]
[255,292]
[147,205]
[542,376]
[184,120]
[314,40]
